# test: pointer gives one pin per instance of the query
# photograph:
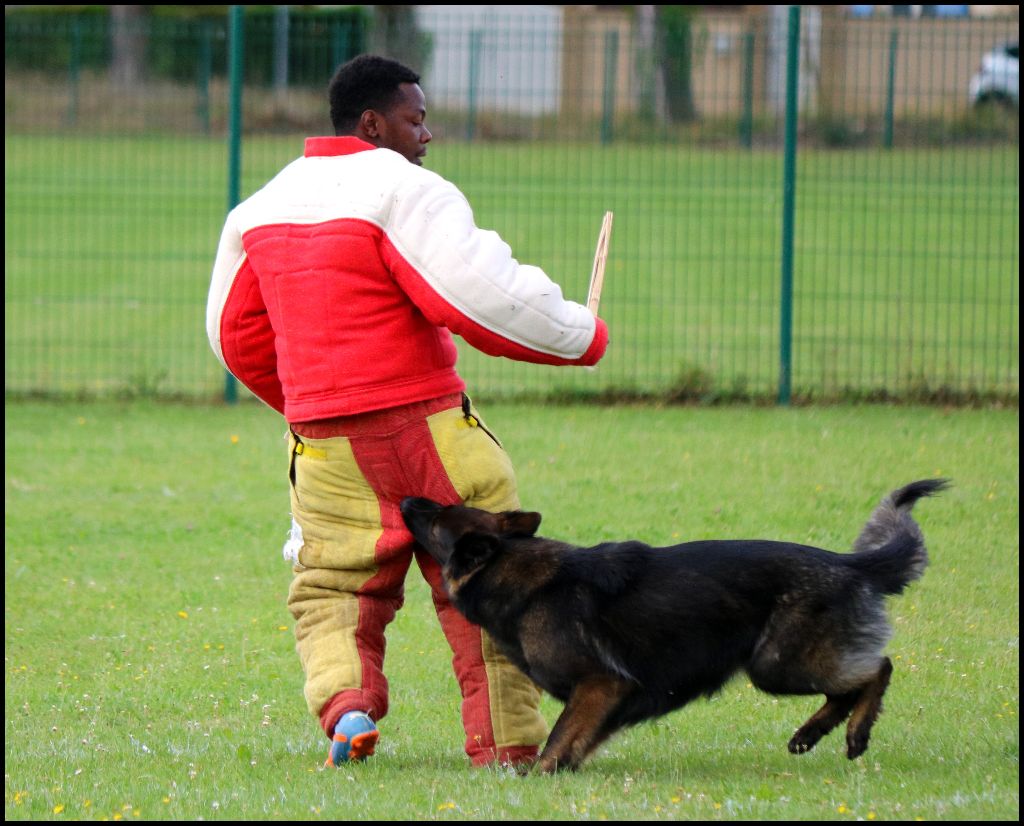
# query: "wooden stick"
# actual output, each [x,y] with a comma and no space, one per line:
[600,258]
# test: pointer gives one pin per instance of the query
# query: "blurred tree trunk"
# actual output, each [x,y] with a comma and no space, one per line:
[128,45]
[676,56]
[652,83]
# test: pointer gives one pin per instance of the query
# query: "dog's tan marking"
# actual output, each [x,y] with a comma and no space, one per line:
[866,711]
[520,573]
[826,718]
[581,727]
[455,584]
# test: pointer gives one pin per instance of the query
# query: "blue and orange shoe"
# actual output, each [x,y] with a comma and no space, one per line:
[355,737]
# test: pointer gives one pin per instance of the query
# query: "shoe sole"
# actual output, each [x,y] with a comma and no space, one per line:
[363,745]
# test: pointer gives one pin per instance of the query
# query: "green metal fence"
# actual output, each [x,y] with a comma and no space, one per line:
[874,254]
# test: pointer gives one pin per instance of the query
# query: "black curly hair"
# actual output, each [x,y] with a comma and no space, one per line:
[365,82]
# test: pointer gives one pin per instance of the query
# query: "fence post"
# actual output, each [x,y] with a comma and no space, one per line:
[235,68]
[611,60]
[789,207]
[339,44]
[890,92]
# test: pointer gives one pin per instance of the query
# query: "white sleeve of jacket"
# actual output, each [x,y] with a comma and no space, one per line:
[431,225]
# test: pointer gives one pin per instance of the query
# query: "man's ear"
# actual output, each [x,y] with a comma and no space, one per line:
[520,523]
[369,123]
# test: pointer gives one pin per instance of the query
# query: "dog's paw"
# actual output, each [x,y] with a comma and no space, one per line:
[800,744]
[552,765]
[806,737]
[856,745]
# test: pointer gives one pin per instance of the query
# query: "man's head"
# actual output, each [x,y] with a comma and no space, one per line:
[380,101]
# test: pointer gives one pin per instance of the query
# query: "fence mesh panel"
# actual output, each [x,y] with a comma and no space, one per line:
[906,245]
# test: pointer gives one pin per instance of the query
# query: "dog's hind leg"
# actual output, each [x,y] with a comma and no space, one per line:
[582,725]
[866,711]
[835,711]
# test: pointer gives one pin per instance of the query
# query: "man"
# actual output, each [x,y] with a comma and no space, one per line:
[334,295]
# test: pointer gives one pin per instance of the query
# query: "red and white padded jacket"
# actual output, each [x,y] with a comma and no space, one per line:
[336,285]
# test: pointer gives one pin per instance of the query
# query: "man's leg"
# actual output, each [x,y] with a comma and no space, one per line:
[500,707]
[346,587]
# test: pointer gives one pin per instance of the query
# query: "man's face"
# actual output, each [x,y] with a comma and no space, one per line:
[402,128]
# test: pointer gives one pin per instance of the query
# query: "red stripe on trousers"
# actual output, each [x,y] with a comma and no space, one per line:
[397,465]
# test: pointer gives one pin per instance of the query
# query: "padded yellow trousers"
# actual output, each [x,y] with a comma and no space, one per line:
[348,478]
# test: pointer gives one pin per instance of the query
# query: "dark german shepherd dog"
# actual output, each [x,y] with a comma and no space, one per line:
[622,632]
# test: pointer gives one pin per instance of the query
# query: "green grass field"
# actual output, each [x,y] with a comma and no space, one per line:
[906,272]
[150,670]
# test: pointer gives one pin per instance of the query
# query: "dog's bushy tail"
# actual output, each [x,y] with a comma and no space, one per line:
[890,550]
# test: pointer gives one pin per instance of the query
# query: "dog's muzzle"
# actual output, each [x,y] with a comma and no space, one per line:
[419,515]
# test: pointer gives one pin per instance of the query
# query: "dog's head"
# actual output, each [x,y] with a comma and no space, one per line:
[462,539]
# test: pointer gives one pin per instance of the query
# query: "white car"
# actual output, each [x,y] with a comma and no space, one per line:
[998,78]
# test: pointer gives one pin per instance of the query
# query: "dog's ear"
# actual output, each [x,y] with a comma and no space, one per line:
[471,550]
[520,523]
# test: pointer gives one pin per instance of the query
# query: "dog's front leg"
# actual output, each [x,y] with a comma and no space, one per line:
[583,724]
